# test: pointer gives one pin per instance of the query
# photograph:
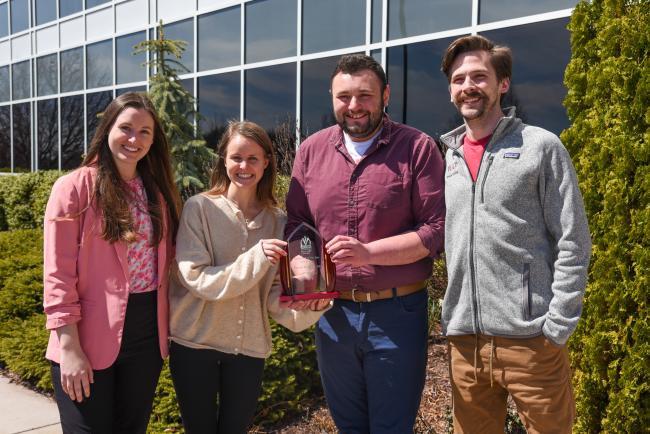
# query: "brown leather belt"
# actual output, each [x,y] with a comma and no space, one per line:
[367,296]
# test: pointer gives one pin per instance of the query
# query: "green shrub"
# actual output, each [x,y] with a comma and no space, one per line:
[609,104]
[23,199]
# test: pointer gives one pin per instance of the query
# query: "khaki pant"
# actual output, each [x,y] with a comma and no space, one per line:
[533,371]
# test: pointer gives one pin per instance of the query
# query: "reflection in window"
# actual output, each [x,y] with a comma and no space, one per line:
[48,134]
[122,90]
[419,91]
[184,31]
[19,15]
[5,139]
[4,20]
[326,27]
[129,67]
[72,131]
[72,74]
[22,137]
[417,17]
[495,10]
[69,7]
[4,83]
[93,3]
[271,102]
[219,37]
[219,97]
[46,69]
[99,64]
[537,89]
[315,98]
[45,11]
[376,20]
[21,77]
[95,105]
[264,42]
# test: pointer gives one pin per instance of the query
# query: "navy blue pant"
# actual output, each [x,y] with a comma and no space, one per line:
[372,359]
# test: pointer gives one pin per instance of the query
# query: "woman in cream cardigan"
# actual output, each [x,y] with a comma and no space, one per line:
[226,286]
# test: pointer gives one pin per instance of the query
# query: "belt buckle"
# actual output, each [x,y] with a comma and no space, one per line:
[368,299]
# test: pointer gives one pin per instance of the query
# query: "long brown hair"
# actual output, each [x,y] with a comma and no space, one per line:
[111,195]
[219,180]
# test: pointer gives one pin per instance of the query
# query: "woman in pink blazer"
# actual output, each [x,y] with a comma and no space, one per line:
[109,227]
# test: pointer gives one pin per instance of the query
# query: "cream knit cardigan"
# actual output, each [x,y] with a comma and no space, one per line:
[224,288]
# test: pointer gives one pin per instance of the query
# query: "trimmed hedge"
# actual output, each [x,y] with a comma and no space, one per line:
[23,199]
[609,104]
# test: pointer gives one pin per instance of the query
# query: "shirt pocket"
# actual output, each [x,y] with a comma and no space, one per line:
[385,191]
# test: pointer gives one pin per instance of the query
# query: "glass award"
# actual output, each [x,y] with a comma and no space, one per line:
[307,271]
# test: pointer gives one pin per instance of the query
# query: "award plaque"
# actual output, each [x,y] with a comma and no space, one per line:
[307,271]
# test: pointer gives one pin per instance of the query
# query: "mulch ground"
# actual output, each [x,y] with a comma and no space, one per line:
[433,417]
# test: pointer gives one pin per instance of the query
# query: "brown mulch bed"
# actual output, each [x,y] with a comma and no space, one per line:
[433,416]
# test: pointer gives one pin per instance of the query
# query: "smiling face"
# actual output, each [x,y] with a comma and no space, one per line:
[358,103]
[245,162]
[474,87]
[129,139]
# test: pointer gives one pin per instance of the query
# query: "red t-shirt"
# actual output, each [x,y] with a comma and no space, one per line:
[473,151]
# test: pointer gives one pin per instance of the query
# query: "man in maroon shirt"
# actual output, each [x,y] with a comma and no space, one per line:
[374,189]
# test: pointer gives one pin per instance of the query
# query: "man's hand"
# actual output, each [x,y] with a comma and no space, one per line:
[315,305]
[348,250]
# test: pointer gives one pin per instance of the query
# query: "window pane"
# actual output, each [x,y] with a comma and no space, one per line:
[328,25]
[376,20]
[419,94]
[22,137]
[315,98]
[219,37]
[537,88]
[271,102]
[19,15]
[45,11]
[4,83]
[5,139]
[219,97]
[72,131]
[99,64]
[129,67]
[119,92]
[417,17]
[184,31]
[93,3]
[46,74]
[264,42]
[4,20]
[48,135]
[21,77]
[96,103]
[495,10]
[72,74]
[69,7]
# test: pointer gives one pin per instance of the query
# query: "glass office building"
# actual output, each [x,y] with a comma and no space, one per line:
[269,61]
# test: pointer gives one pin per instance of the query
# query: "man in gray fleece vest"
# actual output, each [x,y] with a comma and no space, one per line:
[517,246]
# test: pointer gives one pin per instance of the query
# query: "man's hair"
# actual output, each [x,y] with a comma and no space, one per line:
[353,63]
[500,56]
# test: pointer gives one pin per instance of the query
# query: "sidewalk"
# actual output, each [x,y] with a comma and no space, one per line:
[25,411]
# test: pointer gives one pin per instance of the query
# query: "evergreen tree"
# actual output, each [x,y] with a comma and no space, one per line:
[191,158]
[609,104]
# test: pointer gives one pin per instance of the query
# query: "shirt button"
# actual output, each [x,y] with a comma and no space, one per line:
[239,322]
[236,350]
[241,307]
[238,337]
[243,249]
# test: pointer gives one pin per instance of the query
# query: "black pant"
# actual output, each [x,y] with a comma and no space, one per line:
[122,395]
[217,392]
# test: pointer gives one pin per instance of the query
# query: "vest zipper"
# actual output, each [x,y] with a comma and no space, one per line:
[487,170]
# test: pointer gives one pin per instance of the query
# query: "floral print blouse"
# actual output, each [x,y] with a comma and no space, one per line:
[141,255]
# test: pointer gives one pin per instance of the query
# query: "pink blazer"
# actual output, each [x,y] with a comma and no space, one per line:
[85,278]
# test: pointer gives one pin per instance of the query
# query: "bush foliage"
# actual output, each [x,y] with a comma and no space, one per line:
[23,198]
[609,104]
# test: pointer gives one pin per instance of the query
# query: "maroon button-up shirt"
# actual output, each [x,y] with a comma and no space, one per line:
[396,188]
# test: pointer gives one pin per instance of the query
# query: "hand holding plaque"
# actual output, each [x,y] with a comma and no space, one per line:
[307,271]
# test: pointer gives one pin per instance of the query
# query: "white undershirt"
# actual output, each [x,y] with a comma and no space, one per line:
[358,149]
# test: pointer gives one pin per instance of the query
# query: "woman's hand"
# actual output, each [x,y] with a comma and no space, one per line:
[76,374]
[274,250]
[315,305]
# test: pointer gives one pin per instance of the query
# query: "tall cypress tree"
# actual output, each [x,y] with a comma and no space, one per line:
[191,158]
[609,104]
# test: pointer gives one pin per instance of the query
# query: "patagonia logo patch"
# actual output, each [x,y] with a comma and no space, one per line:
[511,155]
[452,168]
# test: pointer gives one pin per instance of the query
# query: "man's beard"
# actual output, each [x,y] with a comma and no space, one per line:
[363,130]
[479,109]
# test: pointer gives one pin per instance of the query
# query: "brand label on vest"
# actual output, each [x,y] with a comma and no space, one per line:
[511,155]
